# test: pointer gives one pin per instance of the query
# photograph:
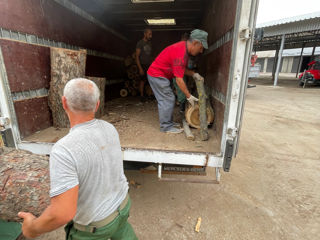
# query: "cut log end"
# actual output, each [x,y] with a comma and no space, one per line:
[123,92]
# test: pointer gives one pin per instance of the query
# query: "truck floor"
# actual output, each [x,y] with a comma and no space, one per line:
[138,127]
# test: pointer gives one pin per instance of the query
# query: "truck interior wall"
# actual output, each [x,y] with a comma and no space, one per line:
[28,65]
[218,19]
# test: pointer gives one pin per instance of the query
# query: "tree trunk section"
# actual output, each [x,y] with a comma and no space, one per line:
[24,183]
[101,83]
[65,65]
[204,135]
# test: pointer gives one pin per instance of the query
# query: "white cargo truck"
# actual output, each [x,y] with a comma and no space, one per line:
[109,30]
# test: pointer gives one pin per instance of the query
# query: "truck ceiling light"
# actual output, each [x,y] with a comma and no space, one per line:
[161,21]
[150,1]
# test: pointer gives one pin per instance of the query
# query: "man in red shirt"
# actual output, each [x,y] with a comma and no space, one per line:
[172,63]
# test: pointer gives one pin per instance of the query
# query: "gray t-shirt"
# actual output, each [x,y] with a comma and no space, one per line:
[146,52]
[90,156]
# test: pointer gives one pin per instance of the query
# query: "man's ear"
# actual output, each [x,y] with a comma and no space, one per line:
[97,106]
[64,103]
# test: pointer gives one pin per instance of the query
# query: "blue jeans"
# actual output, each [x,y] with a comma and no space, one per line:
[166,100]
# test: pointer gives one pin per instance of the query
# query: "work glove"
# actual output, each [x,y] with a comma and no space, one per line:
[197,76]
[192,99]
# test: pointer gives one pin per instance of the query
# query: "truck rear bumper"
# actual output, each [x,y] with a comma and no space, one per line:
[144,155]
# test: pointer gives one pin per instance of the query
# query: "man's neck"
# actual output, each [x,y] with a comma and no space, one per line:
[188,46]
[145,39]
[76,119]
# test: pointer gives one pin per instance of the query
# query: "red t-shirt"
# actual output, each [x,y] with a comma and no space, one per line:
[171,62]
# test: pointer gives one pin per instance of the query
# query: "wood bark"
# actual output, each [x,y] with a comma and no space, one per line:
[24,183]
[65,65]
[187,130]
[204,135]
[101,83]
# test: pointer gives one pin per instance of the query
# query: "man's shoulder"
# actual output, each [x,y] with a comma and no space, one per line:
[140,43]
[105,123]
[180,45]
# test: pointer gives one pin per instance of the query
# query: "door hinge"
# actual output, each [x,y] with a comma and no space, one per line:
[245,34]
[228,155]
[4,121]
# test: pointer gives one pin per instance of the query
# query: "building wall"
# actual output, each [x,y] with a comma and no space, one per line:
[288,64]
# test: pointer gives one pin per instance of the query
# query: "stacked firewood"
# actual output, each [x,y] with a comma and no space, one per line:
[131,86]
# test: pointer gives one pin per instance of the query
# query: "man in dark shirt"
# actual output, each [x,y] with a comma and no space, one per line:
[144,58]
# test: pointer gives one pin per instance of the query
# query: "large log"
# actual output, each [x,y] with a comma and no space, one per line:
[24,183]
[65,65]
[101,83]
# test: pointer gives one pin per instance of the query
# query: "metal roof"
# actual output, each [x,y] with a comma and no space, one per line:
[289,20]
[303,30]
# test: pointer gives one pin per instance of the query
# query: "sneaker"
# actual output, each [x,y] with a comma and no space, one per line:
[174,130]
[176,125]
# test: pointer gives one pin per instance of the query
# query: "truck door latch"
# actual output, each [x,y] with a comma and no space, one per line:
[232,132]
[4,121]
[245,34]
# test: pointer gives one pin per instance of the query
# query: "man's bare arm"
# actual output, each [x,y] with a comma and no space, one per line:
[182,86]
[189,72]
[61,210]
[138,52]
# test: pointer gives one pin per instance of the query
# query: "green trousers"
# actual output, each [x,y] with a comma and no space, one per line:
[180,95]
[118,229]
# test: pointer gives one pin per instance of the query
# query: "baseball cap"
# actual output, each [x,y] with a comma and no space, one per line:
[201,36]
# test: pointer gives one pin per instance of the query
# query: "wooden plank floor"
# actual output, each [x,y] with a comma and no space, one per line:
[138,127]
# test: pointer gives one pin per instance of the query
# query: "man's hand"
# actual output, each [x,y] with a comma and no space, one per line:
[27,230]
[192,99]
[197,76]
[141,71]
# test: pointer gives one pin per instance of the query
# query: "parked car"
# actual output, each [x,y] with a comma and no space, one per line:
[312,75]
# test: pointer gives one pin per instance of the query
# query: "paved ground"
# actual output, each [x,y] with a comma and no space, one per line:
[272,191]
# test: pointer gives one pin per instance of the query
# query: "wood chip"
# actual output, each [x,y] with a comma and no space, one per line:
[197,228]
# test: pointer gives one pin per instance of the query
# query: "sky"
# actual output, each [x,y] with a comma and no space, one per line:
[270,10]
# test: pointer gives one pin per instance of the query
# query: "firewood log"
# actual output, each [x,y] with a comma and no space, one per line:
[187,130]
[101,83]
[202,110]
[128,61]
[65,65]
[123,92]
[24,181]
[192,115]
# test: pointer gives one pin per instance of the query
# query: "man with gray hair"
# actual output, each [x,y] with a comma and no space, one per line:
[172,63]
[88,188]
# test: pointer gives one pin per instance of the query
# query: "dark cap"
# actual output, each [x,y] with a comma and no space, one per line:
[201,36]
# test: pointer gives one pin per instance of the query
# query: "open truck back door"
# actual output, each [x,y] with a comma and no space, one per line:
[238,78]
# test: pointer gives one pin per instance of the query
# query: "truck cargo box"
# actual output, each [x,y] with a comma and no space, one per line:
[109,31]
